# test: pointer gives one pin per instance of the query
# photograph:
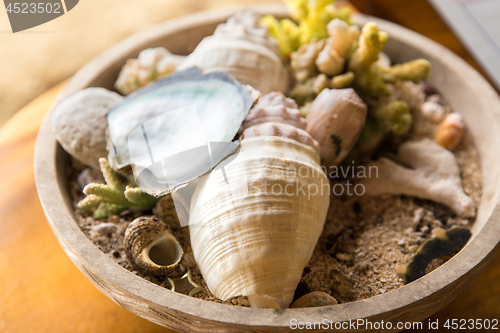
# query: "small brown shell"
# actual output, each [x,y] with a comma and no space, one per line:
[150,245]
[283,131]
[314,299]
[277,108]
[451,131]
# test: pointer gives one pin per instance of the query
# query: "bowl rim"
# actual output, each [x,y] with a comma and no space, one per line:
[478,251]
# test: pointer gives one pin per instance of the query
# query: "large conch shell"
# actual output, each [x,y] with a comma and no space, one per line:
[243,49]
[254,238]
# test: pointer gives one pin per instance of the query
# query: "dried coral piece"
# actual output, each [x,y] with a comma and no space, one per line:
[150,65]
[443,243]
[307,91]
[371,77]
[326,56]
[434,175]
[243,49]
[286,33]
[303,61]
[314,299]
[414,70]
[343,37]
[342,81]
[314,21]
[451,131]
[274,107]
[150,245]
[113,197]
[335,120]
[79,124]
[329,61]
[371,42]
[394,116]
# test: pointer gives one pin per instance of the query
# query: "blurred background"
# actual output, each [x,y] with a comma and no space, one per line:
[37,59]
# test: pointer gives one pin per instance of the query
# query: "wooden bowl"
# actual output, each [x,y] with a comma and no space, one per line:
[467,93]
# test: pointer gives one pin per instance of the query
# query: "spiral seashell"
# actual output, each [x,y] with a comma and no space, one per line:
[243,49]
[335,120]
[283,131]
[277,108]
[149,244]
[252,239]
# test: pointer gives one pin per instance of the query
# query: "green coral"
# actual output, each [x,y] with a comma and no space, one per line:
[370,77]
[312,17]
[414,70]
[307,91]
[363,61]
[393,116]
[342,81]
[285,32]
[113,197]
[371,135]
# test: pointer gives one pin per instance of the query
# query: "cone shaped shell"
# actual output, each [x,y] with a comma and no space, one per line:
[247,238]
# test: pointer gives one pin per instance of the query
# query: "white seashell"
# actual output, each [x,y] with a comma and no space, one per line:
[335,120]
[283,131]
[274,107]
[151,64]
[256,243]
[433,111]
[79,124]
[242,48]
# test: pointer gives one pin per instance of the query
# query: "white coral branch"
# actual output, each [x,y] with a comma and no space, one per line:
[433,174]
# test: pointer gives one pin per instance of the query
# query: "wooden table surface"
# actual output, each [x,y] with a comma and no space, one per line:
[42,291]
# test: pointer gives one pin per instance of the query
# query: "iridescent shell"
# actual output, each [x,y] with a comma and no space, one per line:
[177,117]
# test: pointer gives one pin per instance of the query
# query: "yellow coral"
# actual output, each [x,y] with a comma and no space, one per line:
[368,77]
[285,32]
[414,70]
[394,116]
[312,16]
[342,81]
